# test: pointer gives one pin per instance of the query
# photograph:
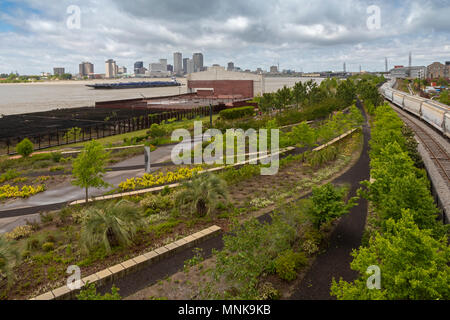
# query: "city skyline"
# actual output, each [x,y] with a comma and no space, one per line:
[299,34]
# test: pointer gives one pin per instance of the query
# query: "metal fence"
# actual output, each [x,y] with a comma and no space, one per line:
[61,137]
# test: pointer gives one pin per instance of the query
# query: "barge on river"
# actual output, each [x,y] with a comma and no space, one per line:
[134,85]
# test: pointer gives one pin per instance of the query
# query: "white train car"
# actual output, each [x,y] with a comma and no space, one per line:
[447,124]
[397,98]
[413,104]
[434,114]
[388,92]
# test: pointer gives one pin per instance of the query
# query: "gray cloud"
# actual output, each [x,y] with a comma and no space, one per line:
[301,34]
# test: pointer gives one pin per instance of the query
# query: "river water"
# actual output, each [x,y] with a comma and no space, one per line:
[33,97]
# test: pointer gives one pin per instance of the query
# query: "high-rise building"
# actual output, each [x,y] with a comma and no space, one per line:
[198,61]
[273,69]
[139,67]
[177,63]
[86,68]
[163,63]
[190,66]
[230,66]
[185,62]
[170,68]
[110,69]
[58,71]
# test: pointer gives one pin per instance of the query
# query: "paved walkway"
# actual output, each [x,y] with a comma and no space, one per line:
[335,262]
[16,213]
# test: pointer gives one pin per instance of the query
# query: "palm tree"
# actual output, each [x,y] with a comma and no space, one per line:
[202,194]
[114,225]
[8,256]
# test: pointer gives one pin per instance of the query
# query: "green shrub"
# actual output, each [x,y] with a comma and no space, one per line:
[89,292]
[414,265]
[56,156]
[237,113]
[25,148]
[9,175]
[328,204]
[287,264]
[116,224]
[8,257]
[48,246]
[201,195]
[33,244]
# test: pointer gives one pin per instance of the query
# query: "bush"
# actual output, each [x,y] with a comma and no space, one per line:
[90,293]
[48,246]
[8,257]
[56,156]
[25,148]
[237,113]
[201,195]
[287,264]
[413,265]
[328,204]
[116,224]
[19,232]
[9,175]
[33,244]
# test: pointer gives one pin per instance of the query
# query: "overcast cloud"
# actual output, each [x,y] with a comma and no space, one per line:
[297,34]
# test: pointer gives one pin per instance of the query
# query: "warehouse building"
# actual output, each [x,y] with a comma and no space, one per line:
[217,81]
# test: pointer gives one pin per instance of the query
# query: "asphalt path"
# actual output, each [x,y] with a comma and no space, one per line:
[18,212]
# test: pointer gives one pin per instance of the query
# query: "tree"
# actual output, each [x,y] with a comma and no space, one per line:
[89,167]
[304,135]
[25,148]
[114,225]
[8,256]
[202,194]
[283,97]
[299,93]
[266,102]
[346,92]
[413,265]
[328,203]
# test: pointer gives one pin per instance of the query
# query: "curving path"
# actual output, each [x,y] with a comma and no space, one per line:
[335,262]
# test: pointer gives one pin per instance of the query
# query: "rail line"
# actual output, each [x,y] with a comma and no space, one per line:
[437,152]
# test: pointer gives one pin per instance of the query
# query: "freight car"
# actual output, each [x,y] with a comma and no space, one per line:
[434,113]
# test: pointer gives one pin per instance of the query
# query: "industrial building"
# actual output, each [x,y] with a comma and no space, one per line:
[218,82]
[413,72]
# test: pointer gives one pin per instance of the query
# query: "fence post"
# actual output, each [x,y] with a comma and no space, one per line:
[49,139]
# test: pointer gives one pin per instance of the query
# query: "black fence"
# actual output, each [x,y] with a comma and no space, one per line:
[61,137]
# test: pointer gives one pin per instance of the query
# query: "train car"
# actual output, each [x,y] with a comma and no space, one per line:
[434,114]
[388,92]
[413,104]
[447,124]
[397,98]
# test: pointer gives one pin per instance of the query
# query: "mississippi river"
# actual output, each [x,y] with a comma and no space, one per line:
[45,96]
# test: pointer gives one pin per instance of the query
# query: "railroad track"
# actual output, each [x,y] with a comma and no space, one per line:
[437,152]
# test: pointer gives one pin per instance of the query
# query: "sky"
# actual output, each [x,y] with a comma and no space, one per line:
[301,35]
